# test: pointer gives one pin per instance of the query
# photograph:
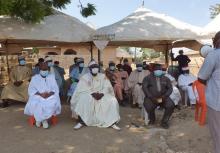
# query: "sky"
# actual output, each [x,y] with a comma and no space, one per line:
[195,12]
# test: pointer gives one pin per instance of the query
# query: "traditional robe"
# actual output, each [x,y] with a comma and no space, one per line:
[115,78]
[76,75]
[58,77]
[136,89]
[175,95]
[101,113]
[183,82]
[42,109]
[10,91]
[124,78]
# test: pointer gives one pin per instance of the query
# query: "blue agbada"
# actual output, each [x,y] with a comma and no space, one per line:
[75,76]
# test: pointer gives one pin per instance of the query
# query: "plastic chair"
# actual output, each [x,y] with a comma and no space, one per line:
[201,107]
[32,121]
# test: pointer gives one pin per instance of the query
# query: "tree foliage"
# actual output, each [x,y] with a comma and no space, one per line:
[214,10]
[35,10]
[150,53]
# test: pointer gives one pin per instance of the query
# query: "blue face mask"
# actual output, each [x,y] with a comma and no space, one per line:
[158,73]
[50,64]
[22,62]
[44,73]
[81,64]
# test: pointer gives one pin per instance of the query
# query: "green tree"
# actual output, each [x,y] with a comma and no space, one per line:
[214,10]
[150,53]
[35,10]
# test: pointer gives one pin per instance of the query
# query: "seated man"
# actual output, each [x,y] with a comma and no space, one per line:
[185,82]
[94,101]
[53,70]
[115,78]
[77,72]
[157,89]
[44,101]
[17,88]
[135,81]
[175,96]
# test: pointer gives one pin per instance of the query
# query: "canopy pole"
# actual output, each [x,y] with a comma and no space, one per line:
[6,49]
[91,50]
[167,56]
[99,55]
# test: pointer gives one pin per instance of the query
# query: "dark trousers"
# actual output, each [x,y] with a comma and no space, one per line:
[150,107]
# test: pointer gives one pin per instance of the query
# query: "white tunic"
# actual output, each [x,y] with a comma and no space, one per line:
[101,113]
[183,81]
[39,107]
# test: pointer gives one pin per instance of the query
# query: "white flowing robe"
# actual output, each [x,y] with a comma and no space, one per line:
[100,113]
[42,109]
[175,95]
[137,92]
[183,82]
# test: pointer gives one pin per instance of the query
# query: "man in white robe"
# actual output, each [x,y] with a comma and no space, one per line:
[94,100]
[185,82]
[44,101]
[134,84]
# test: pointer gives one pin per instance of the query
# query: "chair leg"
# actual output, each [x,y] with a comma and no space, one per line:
[31,121]
[197,112]
[54,120]
[202,118]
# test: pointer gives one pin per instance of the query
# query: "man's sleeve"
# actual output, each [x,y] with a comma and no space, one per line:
[145,86]
[207,67]
[169,88]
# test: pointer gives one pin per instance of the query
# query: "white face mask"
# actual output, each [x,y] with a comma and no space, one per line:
[112,68]
[95,71]
[139,69]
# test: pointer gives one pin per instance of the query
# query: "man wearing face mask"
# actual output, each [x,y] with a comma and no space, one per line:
[126,66]
[185,82]
[115,78]
[53,70]
[157,89]
[44,101]
[16,89]
[94,101]
[77,72]
[73,65]
[135,81]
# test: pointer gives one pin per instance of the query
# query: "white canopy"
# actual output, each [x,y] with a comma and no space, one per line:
[58,27]
[213,27]
[145,28]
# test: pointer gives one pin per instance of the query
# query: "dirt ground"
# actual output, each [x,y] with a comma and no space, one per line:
[184,135]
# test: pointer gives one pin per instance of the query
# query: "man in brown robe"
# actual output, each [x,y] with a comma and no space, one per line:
[17,88]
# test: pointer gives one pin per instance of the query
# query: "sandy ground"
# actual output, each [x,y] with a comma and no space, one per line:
[184,135]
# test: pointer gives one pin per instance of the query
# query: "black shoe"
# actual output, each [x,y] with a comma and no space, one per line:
[164,125]
[4,104]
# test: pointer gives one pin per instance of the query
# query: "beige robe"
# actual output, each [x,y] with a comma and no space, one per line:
[10,91]
[136,90]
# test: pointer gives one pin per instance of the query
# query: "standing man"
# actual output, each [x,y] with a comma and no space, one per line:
[73,65]
[183,60]
[36,69]
[157,89]
[209,74]
[17,88]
